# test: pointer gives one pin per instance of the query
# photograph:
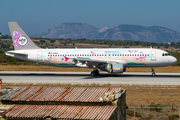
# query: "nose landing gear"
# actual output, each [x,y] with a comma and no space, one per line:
[153,73]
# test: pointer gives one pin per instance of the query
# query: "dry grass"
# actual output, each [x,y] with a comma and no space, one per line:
[167,69]
[144,95]
[171,69]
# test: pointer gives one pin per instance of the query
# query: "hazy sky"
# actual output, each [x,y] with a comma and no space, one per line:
[36,16]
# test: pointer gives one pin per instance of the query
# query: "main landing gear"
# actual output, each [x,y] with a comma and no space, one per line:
[153,73]
[95,72]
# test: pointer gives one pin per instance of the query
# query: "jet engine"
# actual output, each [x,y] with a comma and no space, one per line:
[113,68]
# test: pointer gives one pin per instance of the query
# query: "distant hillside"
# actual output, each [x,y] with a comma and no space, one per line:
[70,30]
[121,32]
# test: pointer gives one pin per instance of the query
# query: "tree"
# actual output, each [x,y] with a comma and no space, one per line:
[52,41]
[172,43]
[42,41]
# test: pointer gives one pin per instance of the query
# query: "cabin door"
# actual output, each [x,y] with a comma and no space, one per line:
[153,55]
[39,56]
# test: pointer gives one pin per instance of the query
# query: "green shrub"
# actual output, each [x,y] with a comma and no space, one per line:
[155,107]
[131,113]
[173,116]
[11,63]
[42,41]
[18,63]
[25,63]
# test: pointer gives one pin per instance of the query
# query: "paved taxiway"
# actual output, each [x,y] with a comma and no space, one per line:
[84,78]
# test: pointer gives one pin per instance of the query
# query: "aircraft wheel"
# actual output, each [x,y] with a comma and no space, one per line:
[92,74]
[153,74]
[96,73]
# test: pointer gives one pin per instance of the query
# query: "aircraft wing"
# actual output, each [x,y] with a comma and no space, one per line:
[16,53]
[89,60]
[93,62]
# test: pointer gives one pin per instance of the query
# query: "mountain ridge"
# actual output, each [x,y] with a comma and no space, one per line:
[119,32]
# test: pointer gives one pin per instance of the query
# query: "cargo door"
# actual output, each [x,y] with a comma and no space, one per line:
[153,55]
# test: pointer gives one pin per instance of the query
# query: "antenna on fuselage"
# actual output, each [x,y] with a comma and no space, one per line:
[151,47]
[75,47]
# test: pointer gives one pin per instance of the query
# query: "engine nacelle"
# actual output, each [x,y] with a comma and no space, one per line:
[117,68]
[114,68]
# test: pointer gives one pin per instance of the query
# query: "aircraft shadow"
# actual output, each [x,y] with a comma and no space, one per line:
[87,76]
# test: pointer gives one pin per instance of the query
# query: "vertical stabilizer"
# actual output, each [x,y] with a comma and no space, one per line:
[20,39]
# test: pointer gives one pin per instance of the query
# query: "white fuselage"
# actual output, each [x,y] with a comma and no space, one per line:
[134,57]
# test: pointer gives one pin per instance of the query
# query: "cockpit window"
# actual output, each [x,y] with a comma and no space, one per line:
[165,54]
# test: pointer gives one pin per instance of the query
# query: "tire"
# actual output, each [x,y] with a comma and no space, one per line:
[153,74]
[92,74]
[96,73]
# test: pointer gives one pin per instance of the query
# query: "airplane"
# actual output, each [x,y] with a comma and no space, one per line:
[114,60]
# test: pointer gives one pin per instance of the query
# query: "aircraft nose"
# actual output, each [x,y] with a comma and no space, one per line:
[174,60]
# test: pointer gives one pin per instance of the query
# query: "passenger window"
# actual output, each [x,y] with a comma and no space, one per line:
[109,54]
